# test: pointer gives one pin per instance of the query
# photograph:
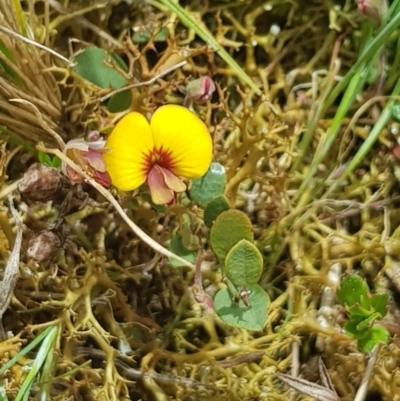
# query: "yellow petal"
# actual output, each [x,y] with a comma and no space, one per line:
[179,132]
[129,143]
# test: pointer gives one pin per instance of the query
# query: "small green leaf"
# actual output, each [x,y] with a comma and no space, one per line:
[243,264]
[351,289]
[120,102]
[209,186]
[367,323]
[214,208]
[177,248]
[95,65]
[145,36]
[229,228]
[375,335]
[44,158]
[357,311]
[98,67]
[56,162]
[379,303]
[350,328]
[250,318]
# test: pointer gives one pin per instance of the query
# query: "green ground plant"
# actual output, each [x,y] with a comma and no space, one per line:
[233,290]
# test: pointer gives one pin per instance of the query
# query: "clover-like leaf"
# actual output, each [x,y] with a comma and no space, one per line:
[209,186]
[214,208]
[97,66]
[243,264]
[379,303]
[228,229]
[253,317]
[351,289]
[374,336]
[177,248]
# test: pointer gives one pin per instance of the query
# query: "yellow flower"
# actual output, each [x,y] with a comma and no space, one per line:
[176,143]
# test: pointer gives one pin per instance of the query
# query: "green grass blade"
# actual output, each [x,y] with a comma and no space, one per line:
[46,349]
[353,89]
[204,34]
[25,350]
[367,145]
[370,51]
[3,394]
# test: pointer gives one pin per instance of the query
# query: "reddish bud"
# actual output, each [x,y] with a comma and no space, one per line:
[42,183]
[200,90]
[88,155]
[375,10]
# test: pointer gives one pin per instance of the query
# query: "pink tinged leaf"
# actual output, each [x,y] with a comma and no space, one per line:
[73,176]
[103,179]
[172,181]
[160,193]
[95,160]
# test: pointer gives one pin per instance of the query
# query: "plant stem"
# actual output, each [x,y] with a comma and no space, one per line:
[363,389]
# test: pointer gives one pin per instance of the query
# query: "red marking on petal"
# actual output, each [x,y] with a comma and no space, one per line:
[160,193]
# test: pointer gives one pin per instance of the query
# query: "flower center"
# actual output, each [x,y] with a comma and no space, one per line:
[159,157]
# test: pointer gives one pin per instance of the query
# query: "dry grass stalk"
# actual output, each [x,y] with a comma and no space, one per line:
[30,98]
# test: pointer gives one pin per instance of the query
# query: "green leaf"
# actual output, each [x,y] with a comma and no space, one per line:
[45,159]
[357,311]
[250,318]
[98,67]
[379,303]
[95,65]
[214,208]
[119,102]
[243,264]
[351,289]
[229,228]
[177,248]
[350,328]
[209,186]
[375,335]
[366,323]
[145,36]
[56,162]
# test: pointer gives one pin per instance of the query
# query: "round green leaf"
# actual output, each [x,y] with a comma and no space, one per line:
[214,208]
[95,65]
[244,264]
[209,186]
[177,248]
[120,102]
[228,229]
[374,336]
[251,317]
[145,36]
[351,290]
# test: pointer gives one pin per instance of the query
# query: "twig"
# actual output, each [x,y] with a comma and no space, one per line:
[11,271]
[135,374]
[363,389]
[36,44]
[139,84]
[138,231]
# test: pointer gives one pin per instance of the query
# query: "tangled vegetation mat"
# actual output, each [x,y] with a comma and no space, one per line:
[200,200]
